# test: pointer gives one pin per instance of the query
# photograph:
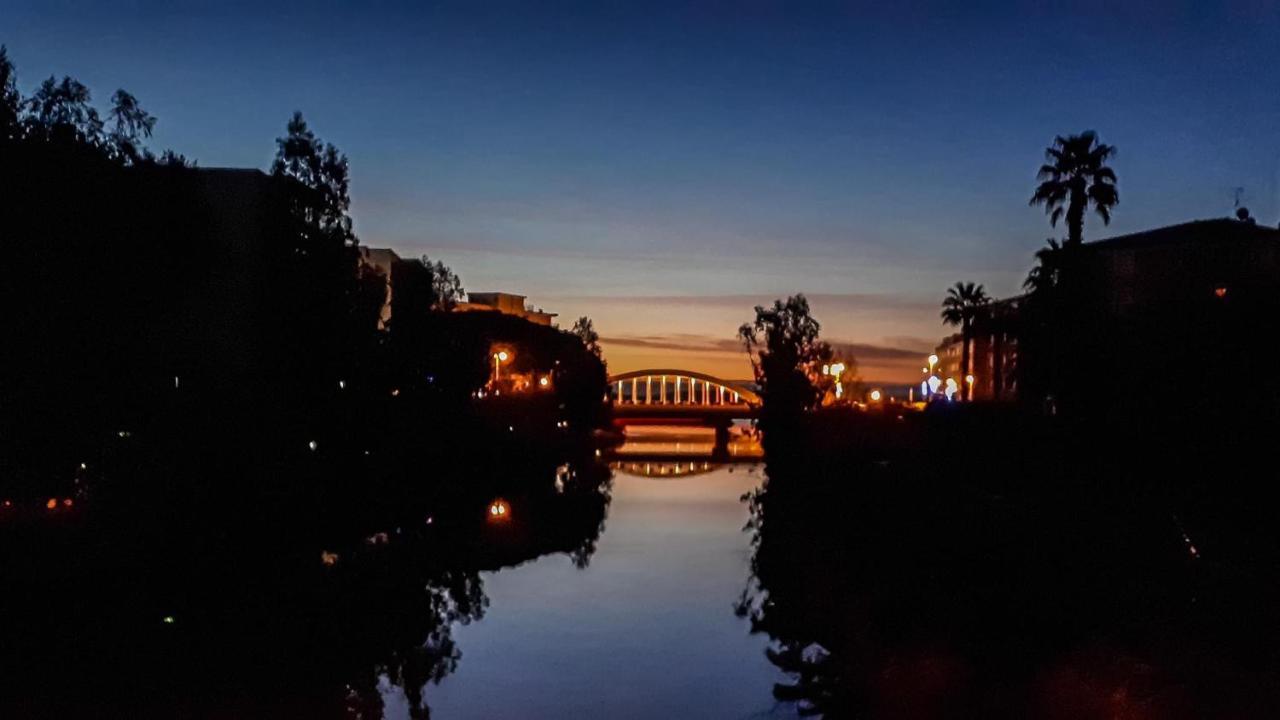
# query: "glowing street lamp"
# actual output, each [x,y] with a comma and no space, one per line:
[875,396]
[498,358]
[933,360]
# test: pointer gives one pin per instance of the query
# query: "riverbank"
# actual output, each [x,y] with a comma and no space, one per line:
[979,561]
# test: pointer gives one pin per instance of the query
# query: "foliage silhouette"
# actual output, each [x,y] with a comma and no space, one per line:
[1074,178]
[961,307]
[786,357]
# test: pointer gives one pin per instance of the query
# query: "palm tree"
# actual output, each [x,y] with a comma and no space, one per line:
[961,307]
[1074,177]
[1044,276]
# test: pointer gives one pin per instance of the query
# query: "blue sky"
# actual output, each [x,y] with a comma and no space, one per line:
[664,167]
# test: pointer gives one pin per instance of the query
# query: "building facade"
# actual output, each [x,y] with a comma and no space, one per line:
[505,303]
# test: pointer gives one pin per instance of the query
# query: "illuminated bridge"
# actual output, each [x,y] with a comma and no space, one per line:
[668,395]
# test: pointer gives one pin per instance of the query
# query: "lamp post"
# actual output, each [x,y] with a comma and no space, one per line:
[499,358]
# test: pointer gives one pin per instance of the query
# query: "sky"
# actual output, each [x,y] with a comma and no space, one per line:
[662,168]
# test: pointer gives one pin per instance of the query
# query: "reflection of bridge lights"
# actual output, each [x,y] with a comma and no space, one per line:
[499,511]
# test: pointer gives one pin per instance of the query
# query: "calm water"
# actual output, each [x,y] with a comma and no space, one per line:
[647,630]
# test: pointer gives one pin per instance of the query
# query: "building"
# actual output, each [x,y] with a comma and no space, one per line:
[1176,312]
[993,353]
[382,261]
[506,303]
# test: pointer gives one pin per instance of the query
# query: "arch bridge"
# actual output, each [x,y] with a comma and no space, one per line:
[669,394]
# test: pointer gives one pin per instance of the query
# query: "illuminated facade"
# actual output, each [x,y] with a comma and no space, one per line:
[505,303]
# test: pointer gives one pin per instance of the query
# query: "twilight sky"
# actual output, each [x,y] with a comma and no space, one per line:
[663,168]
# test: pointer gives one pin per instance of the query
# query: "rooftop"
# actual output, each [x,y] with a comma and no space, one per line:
[1196,231]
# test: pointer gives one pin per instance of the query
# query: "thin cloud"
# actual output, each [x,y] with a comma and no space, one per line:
[676,341]
[845,301]
[690,342]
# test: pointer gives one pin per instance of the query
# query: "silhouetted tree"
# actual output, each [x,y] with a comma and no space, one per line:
[10,99]
[585,329]
[1045,275]
[60,111]
[446,286]
[1075,177]
[326,301]
[786,357]
[961,306]
[132,126]
[321,168]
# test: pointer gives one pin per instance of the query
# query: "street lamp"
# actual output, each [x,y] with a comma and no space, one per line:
[498,358]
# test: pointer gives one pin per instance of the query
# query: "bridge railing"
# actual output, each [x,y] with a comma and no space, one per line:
[676,389]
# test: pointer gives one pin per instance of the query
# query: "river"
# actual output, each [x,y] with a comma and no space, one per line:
[646,630]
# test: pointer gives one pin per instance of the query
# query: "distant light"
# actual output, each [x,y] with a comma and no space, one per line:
[168,620]
[328,558]
[53,503]
[430,520]
[124,433]
[934,382]
[1220,291]
[395,392]
[342,384]
[502,355]
[8,503]
[875,395]
[499,510]
[826,369]
[544,381]
[67,502]
[924,369]
[312,445]
[83,466]
[176,382]
[968,379]
[933,360]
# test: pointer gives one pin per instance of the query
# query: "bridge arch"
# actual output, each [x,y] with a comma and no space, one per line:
[668,386]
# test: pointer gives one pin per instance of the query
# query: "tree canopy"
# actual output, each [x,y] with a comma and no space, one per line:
[1074,178]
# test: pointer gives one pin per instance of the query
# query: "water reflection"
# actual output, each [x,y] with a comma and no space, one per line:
[737,442]
[661,468]
[212,624]
[644,633]
[897,586]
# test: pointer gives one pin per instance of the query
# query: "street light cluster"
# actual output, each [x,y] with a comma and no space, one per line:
[835,370]
[515,383]
[933,384]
